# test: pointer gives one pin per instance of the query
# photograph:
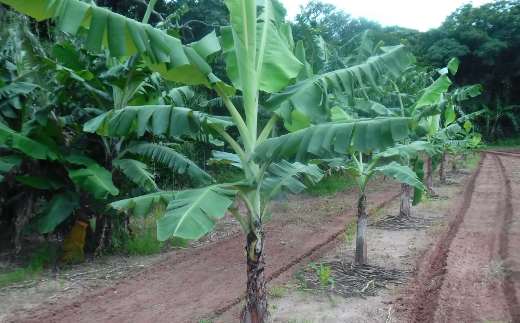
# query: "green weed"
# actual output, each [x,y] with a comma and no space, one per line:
[38,259]
[334,301]
[307,320]
[330,185]
[350,233]
[376,213]
[323,274]
[276,290]
[471,162]
[498,271]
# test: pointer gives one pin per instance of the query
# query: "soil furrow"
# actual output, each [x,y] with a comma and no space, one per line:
[509,287]
[426,298]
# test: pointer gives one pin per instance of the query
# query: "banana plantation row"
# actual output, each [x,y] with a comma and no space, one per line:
[78,127]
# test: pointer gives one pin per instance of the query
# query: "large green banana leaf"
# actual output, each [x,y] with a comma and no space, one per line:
[171,158]
[318,139]
[96,180]
[310,96]
[26,145]
[157,119]
[125,37]
[137,172]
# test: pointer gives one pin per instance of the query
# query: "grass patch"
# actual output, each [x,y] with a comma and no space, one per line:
[498,271]
[471,162]
[503,144]
[277,291]
[144,241]
[38,260]
[330,185]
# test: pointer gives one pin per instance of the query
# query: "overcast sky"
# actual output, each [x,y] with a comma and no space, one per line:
[417,14]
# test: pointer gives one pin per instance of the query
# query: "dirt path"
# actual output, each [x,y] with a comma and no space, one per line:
[210,279]
[472,273]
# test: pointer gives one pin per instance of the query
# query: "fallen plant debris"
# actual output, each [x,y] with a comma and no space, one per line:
[399,222]
[353,279]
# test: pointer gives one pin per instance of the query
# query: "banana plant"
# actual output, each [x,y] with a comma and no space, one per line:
[428,110]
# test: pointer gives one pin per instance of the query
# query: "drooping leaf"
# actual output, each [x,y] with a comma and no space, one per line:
[295,177]
[408,150]
[122,37]
[222,157]
[56,211]
[156,119]
[364,134]
[401,173]
[137,172]
[418,168]
[74,242]
[172,159]
[309,96]
[46,182]
[142,204]
[8,162]
[188,216]
[96,180]
[24,144]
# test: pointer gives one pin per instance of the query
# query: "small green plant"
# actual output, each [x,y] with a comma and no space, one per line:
[301,281]
[376,213]
[426,200]
[334,301]
[436,227]
[350,233]
[498,271]
[307,320]
[323,274]
[277,291]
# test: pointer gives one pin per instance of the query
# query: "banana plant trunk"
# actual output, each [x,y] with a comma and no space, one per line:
[361,243]
[405,200]
[255,308]
[429,177]
[443,168]
[454,164]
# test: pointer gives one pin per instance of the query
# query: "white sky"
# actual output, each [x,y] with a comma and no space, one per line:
[417,14]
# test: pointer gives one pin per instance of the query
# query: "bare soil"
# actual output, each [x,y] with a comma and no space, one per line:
[465,268]
[206,280]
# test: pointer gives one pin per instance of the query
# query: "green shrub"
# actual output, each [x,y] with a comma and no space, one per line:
[330,185]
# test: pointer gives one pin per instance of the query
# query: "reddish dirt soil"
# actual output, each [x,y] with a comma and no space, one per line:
[472,272]
[205,281]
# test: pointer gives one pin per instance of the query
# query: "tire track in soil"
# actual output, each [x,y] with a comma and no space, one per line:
[425,301]
[432,290]
[509,287]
